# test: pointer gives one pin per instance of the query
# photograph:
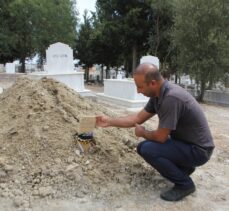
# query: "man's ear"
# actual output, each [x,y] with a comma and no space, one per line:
[153,82]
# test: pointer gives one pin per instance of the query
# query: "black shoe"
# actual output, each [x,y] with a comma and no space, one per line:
[176,193]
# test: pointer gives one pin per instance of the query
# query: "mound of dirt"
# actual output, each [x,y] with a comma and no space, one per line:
[40,158]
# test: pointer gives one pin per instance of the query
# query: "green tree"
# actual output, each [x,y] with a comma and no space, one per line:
[160,40]
[201,36]
[83,48]
[94,44]
[130,20]
[30,26]
[7,53]
[57,23]
[22,20]
[105,43]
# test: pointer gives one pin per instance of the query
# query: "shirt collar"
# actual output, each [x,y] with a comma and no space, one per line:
[162,90]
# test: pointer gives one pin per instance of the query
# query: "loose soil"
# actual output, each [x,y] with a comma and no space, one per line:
[41,167]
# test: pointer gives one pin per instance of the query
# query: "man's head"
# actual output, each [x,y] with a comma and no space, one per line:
[148,80]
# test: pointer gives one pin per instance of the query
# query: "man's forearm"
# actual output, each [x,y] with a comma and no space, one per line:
[123,122]
[155,136]
[151,135]
[160,135]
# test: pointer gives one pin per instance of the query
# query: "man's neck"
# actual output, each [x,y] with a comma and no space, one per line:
[160,84]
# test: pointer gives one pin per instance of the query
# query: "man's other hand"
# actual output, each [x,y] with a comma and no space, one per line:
[139,130]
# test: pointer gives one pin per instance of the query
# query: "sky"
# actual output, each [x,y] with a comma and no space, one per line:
[85,4]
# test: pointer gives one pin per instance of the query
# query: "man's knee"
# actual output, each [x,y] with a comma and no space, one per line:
[147,148]
[139,147]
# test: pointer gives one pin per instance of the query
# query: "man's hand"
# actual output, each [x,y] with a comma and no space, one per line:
[102,121]
[139,130]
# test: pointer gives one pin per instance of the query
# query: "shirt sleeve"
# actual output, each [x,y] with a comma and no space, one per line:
[149,107]
[170,113]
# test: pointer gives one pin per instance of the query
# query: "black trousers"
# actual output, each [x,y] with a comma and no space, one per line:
[174,160]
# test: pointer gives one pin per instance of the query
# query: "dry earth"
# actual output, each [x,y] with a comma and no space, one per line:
[41,167]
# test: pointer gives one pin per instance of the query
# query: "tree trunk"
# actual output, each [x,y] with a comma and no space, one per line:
[127,67]
[157,35]
[102,75]
[200,97]
[107,72]
[41,60]
[22,65]
[134,53]
[210,85]
[40,64]
[176,78]
[87,73]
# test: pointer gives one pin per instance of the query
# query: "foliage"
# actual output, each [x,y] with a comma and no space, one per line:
[106,43]
[7,51]
[160,33]
[57,23]
[202,39]
[30,26]
[225,80]
[129,21]
[83,43]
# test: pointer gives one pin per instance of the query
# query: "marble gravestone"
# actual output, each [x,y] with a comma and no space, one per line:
[119,75]
[1,90]
[124,92]
[59,57]
[10,68]
[60,66]
[2,69]
[150,59]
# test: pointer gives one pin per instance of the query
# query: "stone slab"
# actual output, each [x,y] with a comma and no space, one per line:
[74,81]
[128,104]
[122,88]
[10,68]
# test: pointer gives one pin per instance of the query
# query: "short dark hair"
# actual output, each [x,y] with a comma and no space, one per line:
[152,74]
[150,71]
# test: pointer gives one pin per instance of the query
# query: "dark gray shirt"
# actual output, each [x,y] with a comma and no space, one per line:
[181,113]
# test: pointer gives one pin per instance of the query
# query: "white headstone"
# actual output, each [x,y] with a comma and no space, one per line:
[45,67]
[59,58]
[1,90]
[150,59]
[119,75]
[1,68]
[10,68]
[185,79]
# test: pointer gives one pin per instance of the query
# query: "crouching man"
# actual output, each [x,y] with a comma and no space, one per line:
[182,140]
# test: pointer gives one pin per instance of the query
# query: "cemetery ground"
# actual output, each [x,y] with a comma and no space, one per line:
[41,167]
